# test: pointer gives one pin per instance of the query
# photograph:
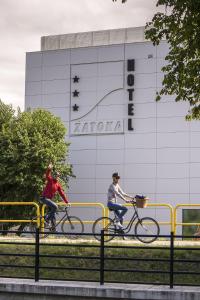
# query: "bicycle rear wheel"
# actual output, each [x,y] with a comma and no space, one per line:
[105,224]
[147,227]
[30,229]
[72,225]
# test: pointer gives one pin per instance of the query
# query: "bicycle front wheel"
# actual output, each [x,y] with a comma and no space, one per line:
[147,230]
[72,225]
[105,224]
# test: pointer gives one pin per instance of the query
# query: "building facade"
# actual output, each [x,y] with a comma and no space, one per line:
[103,86]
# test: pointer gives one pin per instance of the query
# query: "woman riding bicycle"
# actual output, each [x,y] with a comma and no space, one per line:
[114,191]
[52,186]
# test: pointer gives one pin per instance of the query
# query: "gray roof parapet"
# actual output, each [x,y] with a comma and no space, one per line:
[93,38]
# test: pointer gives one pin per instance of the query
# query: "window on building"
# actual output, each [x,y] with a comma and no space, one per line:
[190,216]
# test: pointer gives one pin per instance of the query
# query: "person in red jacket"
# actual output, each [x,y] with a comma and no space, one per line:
[51,188]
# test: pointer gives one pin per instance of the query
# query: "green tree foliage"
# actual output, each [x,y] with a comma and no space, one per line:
[29,141]
[179,25]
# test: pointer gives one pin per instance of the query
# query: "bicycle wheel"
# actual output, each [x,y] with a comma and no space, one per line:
[109,228]
[147,227]
[30,229]
[72,225]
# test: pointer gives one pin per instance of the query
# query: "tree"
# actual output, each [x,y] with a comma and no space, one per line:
[180,26]
[28,142]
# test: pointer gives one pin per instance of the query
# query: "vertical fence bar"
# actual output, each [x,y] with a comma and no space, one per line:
[37,254]
[102,258]
[171,260]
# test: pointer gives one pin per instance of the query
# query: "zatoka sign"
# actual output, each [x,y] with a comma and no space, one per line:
[83,117]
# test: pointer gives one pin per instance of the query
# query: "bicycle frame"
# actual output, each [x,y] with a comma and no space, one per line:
[65,215]
[133,218]
[57,223]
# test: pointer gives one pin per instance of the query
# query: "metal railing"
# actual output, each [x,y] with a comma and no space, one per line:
[162,205]
[98,261]
[83,204]
[33,204]
[42,213]
[185,223]
[105,212]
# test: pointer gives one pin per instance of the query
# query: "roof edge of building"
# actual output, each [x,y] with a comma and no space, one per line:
[93,38]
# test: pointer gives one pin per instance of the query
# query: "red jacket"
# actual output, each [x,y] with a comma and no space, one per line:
[52,187]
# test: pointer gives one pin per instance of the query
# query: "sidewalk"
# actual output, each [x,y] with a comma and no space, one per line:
[44,289]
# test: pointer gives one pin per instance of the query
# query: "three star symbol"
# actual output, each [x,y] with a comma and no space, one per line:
[76,79]
[75,93]
[75,107]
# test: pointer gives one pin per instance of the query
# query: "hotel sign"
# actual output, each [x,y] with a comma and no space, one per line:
[86,105]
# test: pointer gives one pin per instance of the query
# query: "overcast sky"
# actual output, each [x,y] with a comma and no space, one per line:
[23,22]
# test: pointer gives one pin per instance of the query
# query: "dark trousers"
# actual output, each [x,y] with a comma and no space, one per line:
[52,210]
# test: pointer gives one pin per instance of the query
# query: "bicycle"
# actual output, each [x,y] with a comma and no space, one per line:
[69,224]
[146,229]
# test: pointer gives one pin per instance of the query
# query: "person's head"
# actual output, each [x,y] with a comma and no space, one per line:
[55,175]
[115,177]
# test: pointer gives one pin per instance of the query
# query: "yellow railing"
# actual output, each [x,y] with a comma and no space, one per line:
[175,215]
[165,205]
[83,204]
[104,212]
[24,204]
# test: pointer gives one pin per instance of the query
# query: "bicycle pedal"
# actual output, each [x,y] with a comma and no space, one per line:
[52,229]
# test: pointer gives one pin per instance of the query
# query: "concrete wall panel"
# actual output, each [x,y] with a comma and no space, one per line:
[111,53]
[56,58]
[56,72]
[33,59]
[139,50]
[34,74]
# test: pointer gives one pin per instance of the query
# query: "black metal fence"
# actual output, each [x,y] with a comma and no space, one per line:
[85,259]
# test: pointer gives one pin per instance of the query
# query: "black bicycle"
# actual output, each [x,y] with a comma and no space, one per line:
[68,224]
[146,229]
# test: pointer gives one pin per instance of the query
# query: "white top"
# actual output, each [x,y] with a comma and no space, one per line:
[115,190]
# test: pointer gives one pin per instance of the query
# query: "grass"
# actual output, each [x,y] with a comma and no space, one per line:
[53,267]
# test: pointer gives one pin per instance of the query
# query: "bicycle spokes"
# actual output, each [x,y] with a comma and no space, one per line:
[147,230]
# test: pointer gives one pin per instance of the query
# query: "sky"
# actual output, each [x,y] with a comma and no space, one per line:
[23,22]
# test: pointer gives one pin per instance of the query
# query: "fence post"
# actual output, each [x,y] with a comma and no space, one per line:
[102,258]
[171,260]
[37,253]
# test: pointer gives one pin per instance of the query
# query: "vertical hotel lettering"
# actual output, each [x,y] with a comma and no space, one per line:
[130,84]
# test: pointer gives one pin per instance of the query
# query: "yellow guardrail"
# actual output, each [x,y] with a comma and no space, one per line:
[165,205]
[181,223]
[105,212]
[79,204]
[171,223]
[24,204]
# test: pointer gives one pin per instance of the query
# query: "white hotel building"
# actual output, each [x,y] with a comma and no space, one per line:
[102,85]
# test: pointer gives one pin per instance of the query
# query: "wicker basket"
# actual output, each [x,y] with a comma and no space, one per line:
[141,203]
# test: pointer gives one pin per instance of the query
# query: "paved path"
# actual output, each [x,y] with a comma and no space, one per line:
[17,289]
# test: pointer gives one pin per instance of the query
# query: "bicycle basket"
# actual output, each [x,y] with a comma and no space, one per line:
[141,202]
